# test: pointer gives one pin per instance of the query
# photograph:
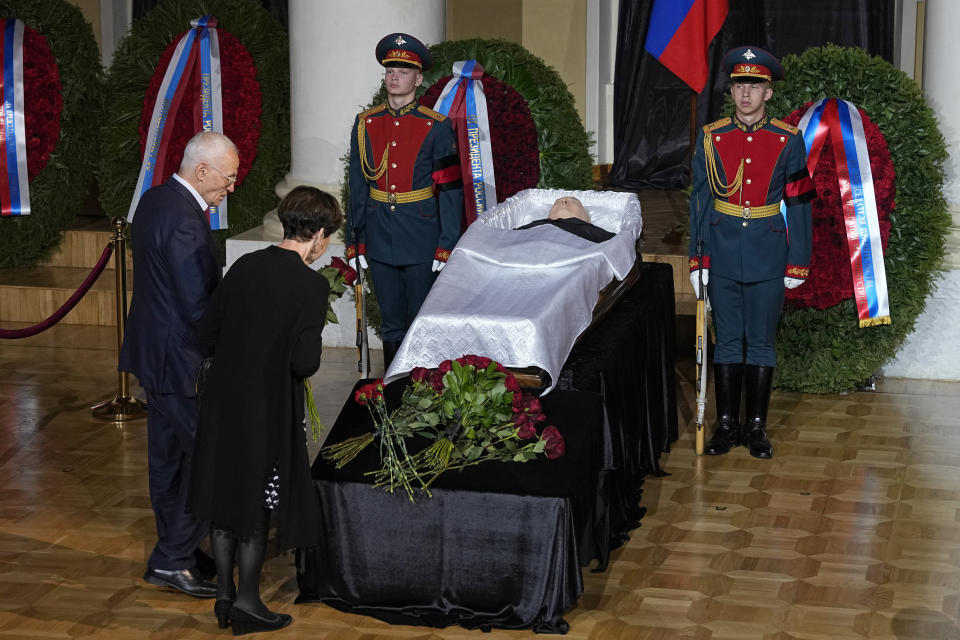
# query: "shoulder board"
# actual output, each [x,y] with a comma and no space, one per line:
[427,111]
[784,125]
[722,122]
[371,111]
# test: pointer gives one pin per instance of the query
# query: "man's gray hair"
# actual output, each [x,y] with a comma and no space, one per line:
[206,146]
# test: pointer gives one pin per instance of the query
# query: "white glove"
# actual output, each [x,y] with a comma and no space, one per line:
[353,262]
[792,283]
[695,280]
[438,266]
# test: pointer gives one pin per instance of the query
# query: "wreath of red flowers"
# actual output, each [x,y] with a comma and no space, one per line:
[513,135]
[830,279]
[241,104]
[42,93]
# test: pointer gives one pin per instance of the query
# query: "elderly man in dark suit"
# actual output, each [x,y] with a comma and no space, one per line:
[175,272]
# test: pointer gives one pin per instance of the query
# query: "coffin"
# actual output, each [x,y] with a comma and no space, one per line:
[523,297]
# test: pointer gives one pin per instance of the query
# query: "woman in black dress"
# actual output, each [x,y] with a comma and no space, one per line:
[262,328]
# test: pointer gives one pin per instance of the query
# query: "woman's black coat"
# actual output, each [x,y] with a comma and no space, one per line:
[263,327]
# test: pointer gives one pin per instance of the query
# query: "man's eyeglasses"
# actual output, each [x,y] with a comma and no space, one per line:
[230,179]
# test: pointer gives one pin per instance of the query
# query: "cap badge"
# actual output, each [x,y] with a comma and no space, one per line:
[400,41]
[748,54]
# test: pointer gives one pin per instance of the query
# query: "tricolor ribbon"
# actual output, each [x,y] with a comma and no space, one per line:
[14,185]
[841,120]
[197,55]
[462,100]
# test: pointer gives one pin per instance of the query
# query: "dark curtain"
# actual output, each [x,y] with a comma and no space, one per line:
[651,110]
[277,8]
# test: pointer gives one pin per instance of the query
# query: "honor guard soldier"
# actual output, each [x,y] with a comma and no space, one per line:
[406,193]
[749,248]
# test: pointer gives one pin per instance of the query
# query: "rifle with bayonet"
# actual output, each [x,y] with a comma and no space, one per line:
[701,340]
[363,338]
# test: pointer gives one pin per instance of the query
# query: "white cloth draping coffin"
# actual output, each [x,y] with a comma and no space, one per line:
[521,297]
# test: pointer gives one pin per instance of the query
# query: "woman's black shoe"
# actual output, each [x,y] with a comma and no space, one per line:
[245,622]
[222,610]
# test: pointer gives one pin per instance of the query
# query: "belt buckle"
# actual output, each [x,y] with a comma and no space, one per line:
[746,212]
[392,198]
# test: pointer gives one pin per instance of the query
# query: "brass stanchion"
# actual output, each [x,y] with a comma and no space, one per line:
[123,407]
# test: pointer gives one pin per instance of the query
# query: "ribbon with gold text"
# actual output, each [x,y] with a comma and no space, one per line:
[196,59]
[841,120]
[462,100]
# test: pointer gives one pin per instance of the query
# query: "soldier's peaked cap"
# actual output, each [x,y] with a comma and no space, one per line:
[402,49]
[752,62]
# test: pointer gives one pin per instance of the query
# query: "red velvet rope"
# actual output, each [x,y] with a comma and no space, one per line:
[26,332]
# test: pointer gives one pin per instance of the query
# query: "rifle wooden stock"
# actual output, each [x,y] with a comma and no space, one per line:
[702,365]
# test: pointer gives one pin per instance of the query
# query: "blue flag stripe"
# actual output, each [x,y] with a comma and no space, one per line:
[665,20]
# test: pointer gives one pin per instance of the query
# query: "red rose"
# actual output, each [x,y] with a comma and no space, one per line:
[359,396]
[527,431]
[510,382]
[445,366]
[436,380]
[477,362]
[555,445]
[532,404]
[369,392]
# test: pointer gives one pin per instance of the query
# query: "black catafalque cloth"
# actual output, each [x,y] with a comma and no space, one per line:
[502,545]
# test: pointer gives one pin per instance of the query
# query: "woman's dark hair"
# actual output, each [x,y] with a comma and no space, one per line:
[306,210]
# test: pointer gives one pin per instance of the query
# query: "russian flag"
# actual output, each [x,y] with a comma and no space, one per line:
[679,35]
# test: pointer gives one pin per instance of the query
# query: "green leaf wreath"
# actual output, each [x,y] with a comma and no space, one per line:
[133,67]
[56,190]
[826,351]
[565,161]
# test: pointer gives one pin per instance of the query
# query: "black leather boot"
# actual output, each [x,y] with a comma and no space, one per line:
[759,381]
[389,352]
[726,433]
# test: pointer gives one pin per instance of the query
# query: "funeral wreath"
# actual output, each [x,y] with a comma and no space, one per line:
[820,345]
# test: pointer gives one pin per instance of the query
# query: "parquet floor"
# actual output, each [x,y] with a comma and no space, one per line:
[851,531]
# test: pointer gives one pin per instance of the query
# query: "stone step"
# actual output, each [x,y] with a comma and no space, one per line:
[82,243]
[32,295]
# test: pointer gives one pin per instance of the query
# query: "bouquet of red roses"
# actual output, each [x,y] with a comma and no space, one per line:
[471,409]
[341,276]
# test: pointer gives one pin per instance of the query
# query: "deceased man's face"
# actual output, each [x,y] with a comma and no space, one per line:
[567,207]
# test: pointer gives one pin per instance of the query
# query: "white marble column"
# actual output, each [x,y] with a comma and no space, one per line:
[334,73]
[929,351]
[602,21]
[941,88]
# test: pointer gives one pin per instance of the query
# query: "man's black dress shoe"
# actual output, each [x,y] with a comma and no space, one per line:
[182,580]
[206,568]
